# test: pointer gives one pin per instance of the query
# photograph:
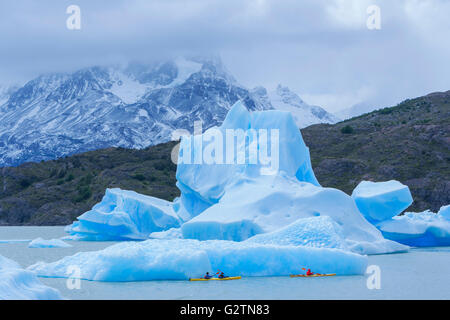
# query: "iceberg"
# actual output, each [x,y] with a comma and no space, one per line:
[239,148]
[248,177]
[124,215]
[268,203]
[419,229]
[382,202]
[181,259]
[52,243]
[173,233]
[19,284]
[379,201]
[236,200]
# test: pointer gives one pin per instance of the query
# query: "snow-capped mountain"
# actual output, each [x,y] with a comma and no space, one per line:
[284,99]
[131,106]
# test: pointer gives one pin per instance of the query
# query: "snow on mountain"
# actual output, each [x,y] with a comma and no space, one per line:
[131,106]
[6,91]
[131,84]
[304,114]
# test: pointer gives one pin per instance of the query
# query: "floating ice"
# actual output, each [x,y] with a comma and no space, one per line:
[252,175]
[124,215]
[52,243]
[19,284]
[419,229]
[268,203]
[182,259]
[317,232]
[379,201]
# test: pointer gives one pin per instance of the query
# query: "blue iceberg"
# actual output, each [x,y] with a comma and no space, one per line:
[124,215]
[19,284]
[183,259]
[250,205]
[419,229]
[268,203]
[382,202]
[248,177]
[239,148]
[379,201]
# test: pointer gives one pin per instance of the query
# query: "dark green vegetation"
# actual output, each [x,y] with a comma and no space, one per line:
[409,143]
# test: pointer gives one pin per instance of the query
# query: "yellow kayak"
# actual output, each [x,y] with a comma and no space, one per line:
[227,278]
[312,276]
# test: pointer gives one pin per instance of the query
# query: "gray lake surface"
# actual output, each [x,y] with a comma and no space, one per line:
[422,273]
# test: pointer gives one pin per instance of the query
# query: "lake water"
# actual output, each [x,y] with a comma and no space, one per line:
[418,274]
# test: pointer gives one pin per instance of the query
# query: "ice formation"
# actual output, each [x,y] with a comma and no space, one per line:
[379,201]
[419,229]
[19,284]
[173,233]
[181,259]
[267,203]
[316,232]
[444,212]
[246,140]
[124,215]
[252,175]
[52,243]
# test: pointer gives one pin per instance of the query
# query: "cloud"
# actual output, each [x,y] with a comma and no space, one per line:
[319,48]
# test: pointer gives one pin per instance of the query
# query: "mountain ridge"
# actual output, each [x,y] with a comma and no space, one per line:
[130,106]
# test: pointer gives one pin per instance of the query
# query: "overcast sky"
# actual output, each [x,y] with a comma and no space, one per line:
[322,49]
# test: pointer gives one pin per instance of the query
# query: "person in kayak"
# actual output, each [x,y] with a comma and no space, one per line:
[221,275]
[309,273]
[207,276]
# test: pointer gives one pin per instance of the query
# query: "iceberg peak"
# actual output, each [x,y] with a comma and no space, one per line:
[237,118]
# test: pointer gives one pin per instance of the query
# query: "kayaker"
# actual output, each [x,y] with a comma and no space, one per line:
[207,276]
[221,275]
[309,273]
